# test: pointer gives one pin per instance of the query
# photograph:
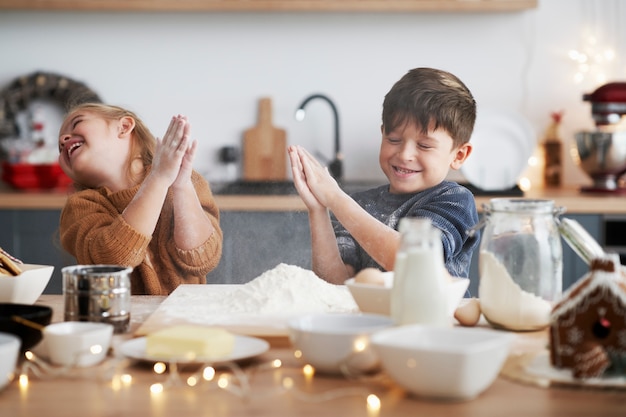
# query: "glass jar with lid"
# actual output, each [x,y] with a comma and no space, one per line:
[520,263]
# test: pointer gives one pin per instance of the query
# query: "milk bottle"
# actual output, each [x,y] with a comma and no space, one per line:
[418,292]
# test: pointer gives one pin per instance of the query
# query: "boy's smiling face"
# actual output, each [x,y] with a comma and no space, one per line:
[414,161]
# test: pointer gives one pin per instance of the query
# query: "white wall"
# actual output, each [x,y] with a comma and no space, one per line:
[215,66]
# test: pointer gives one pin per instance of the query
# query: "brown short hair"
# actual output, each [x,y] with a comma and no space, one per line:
[431,99]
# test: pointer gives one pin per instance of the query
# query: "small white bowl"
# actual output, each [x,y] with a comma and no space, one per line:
[449,363]
[373,298]
[26,287]
[337,343]
[9,351]
[77,343]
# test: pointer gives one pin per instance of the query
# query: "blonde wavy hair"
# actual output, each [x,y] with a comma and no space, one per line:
[143,142]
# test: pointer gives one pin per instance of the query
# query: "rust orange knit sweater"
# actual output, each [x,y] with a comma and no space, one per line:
[94,232]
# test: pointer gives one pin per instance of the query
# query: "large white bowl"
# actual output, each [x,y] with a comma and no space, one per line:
[373,298]
[456,363]
[9,351]
[337,343]
[26,287]
[77,343]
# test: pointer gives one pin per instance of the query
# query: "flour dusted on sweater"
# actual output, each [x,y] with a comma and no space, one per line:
[285,290]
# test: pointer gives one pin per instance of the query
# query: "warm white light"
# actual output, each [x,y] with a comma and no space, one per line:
[360,344]
[208,373]
[126,379]
[159,367]
[23,381]
[525,184]
[533,161]
[288,383]
[223,382]
[297,353]
[156,388]
[192,381]
[95,349]
[578,78]
[373,403]
[277,363]
[308,371]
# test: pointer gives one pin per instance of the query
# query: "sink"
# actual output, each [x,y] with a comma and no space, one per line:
[279,187]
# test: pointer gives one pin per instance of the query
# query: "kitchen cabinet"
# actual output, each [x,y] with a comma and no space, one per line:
[32,236]
[254,242]
[276,5]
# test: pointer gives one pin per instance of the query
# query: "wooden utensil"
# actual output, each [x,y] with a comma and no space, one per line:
[265,148]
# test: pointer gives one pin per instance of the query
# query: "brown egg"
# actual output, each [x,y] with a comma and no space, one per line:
[468,312]
[370,276]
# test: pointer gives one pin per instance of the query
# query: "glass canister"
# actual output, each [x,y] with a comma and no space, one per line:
[418,292]
[520,263]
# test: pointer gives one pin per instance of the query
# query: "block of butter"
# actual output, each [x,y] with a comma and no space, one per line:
[190,342]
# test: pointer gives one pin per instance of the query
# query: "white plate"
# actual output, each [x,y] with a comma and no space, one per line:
[246,347]
[503,141]
[541,367]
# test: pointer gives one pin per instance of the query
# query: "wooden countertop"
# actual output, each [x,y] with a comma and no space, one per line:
[97,392]
[571,198]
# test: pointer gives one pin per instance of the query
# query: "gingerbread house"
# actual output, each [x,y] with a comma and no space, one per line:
[588,324]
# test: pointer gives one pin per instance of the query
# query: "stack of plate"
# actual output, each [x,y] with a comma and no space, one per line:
[503,141]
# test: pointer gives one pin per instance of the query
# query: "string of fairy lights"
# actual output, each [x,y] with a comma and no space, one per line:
[228,377]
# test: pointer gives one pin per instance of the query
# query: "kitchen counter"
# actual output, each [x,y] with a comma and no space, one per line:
[570,198]
[92,392]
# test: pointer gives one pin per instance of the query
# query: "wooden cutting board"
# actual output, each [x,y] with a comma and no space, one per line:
[265,148]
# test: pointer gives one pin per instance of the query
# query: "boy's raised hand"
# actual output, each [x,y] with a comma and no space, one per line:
[318,181]
[299,181]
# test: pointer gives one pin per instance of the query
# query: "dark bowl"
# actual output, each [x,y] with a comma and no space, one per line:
[29,335]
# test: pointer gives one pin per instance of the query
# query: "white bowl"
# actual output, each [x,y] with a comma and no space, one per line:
[373,298]
[456,363]
[77,343]
[337,343]
[9,351]
[26,287]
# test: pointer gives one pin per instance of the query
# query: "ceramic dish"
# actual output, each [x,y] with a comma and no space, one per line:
[445,363]
[503,141]
[336,343]
[26,287]
[374,298]
[246,347]
[77,343]
[9,351]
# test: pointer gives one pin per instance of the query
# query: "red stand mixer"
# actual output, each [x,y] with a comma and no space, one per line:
[602,153]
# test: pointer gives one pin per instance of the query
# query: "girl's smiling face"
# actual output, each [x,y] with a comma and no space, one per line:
[92,150]
[414,161]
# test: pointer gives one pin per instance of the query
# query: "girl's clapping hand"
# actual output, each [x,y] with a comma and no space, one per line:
[174,150]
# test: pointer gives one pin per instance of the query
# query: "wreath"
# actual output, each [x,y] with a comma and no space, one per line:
[58,88]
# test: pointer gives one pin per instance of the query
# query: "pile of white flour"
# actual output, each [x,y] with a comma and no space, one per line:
[283,291]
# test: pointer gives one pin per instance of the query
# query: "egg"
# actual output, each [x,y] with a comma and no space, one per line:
[370,276]
[468,312]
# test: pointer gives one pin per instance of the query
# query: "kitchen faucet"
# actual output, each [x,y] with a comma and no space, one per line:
[336,165]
